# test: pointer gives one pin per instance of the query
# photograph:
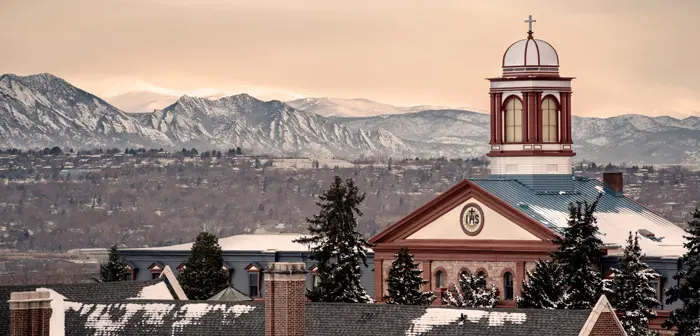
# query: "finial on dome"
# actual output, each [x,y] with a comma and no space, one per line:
[529,21]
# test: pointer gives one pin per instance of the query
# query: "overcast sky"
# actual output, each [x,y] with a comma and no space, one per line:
[629,56]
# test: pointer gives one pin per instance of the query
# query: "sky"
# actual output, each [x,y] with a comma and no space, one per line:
[628,56]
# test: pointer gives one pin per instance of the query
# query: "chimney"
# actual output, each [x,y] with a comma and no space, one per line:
[30,313]
[285,297]
[613,183]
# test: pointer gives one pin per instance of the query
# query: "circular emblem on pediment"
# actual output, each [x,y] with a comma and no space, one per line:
[472,219]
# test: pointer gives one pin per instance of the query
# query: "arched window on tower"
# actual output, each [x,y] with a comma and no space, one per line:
[508,286]
[550,120]
[514,120]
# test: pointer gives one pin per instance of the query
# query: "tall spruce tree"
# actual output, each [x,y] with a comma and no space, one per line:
[471,293]
[203,275]
[687,318]
[544,288]
[337,246]
[405,282]
[579,254]
[631,291]
[115,268]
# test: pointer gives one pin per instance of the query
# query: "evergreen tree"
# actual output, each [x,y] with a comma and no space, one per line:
[337,246]
[203,275]
[115,268]
[578,254]
[544,288]
[630,290]
[405,282]
[687,318]
[471,293]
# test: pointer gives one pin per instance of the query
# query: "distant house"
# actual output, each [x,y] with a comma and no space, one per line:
[245,257]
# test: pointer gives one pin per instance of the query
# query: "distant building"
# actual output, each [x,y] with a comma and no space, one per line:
[245,257]
[284,312]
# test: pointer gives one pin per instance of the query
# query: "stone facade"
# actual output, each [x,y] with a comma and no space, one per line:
[494,271]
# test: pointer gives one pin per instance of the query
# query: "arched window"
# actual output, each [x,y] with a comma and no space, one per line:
[463,273]
[440,279]
[481,279]
[549,120]
[508,286]
[514,120]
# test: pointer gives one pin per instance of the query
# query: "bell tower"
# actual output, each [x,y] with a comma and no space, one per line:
[531,118]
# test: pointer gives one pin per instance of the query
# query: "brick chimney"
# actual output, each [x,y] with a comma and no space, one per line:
[285,297]
[613,183]
[30,313]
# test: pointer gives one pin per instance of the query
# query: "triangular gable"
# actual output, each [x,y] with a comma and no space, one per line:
[601,317]
[254,267]
[452,201]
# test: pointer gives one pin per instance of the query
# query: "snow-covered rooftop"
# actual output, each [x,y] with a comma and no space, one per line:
[248,242]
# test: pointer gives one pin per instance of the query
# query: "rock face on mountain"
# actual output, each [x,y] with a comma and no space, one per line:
[359,107]
[44,110]
[269,127]
[626,138]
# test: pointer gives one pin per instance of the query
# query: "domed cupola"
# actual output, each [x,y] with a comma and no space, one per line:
[531,118]
[530,57]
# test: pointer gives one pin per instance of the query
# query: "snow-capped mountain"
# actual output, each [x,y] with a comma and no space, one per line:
[42,110]
[141,101]
[360,107]
[626,138]
[269,127]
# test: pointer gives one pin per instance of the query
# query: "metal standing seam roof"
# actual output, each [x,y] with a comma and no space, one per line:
[616,215]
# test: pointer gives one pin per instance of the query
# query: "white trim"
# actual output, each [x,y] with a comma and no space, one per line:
[172,280]
[564,84]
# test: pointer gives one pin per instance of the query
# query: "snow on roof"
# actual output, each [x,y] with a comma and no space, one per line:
[439,316]
[158,291]
[616,216]
[115,317]
[248,242]
[616,226]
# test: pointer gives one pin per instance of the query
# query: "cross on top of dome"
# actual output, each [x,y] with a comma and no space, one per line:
[529,21]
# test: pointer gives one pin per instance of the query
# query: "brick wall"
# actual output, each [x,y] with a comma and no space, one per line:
[285,299]
[606,326]
[30,314]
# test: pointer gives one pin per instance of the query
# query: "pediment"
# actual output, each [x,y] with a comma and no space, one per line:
[472,220]
[466,212]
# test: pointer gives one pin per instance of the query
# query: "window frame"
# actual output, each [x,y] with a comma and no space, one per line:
[508,289]
[257,284]
[440,278]
[517,111]
[552,117]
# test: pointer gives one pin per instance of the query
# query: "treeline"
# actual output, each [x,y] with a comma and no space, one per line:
[57,151]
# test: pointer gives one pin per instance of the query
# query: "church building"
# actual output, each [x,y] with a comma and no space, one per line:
[500,226]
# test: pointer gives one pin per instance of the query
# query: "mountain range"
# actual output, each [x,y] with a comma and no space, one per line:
[44,110]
